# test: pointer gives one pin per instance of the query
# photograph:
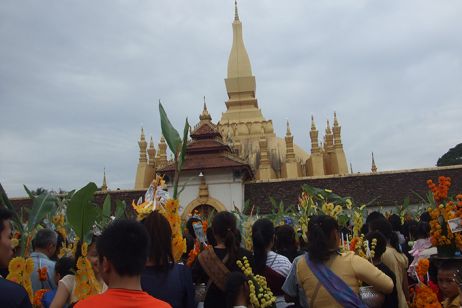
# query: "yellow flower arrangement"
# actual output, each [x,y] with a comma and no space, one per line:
[20,270]
[86,283]
[170,211]
[260,294]
[14,243]
[68,250]
[331,209]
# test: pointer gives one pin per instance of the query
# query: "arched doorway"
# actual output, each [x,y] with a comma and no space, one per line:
[204,210]
[203,204]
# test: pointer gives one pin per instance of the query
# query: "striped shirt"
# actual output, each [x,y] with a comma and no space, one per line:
[278,263]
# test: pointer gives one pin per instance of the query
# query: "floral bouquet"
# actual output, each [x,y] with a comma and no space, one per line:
[425,293]
[260,294]
[446,210]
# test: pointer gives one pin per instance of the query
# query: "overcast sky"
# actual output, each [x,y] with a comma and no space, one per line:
[79,78]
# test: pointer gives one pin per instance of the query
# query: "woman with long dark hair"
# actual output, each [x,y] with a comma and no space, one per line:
[394,258]
[214,264]
[162,277]
[329,278]
[274,267]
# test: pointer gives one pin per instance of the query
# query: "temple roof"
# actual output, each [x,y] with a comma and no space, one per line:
[206,151]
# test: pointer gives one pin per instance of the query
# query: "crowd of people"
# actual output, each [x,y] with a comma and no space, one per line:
[134,263]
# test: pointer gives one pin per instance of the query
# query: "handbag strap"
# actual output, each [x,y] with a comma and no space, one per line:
[214,267]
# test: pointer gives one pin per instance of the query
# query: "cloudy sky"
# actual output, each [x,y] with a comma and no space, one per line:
[79,78]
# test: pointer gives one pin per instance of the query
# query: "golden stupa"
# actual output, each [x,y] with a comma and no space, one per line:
[252,136]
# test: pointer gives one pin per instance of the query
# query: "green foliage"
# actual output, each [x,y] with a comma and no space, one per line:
[82,213]
[120,209]
[5,202]
[175,144]
[451,157]
[171,135]
[42,205]
[184,145]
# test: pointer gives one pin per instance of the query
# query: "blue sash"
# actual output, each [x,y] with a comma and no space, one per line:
[336,287]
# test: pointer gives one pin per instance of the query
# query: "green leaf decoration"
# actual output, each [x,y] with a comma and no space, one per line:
[5,202]
[42,205]
[81,213]
[171,135]
[106,212]
[120,209]
[184,145]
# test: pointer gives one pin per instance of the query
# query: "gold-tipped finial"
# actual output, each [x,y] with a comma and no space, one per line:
[288,132]
[236,15]
[205,113]
[313,126]
[374,167]
[142,134]
[328,131]
[151,143]
[104,186]
[335,119]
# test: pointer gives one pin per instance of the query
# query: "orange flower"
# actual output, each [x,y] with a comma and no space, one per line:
[422,267]
[38,297]
[43,273]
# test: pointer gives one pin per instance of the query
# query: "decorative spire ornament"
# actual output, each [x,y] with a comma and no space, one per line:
[374,167]
[104,186]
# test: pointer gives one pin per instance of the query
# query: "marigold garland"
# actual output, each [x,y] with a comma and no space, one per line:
[422,268]
[424,295]
[445,210]
[42,273]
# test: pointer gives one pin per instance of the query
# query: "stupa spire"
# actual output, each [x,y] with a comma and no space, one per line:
[288,132]
[104,186]
[143,145]
[205,113]
[236,14]
[373,167]
[238,62]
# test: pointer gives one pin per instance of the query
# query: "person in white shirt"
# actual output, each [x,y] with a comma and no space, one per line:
[274,267]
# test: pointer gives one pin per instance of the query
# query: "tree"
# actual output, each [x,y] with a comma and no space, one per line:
[452,157]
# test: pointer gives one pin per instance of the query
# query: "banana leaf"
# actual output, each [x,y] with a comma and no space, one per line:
[42,205]
[171,135]
[5,202]
[107,210]
[184,145]
[120,209]
[81,212]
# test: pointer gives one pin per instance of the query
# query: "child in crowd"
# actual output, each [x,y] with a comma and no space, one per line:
[63,267]
[448,285]
[237,291]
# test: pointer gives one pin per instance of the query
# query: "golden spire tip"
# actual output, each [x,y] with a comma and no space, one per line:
[236,15]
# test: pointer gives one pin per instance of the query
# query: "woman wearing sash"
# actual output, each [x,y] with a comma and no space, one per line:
[215,263]
[330,278]
[274,267]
